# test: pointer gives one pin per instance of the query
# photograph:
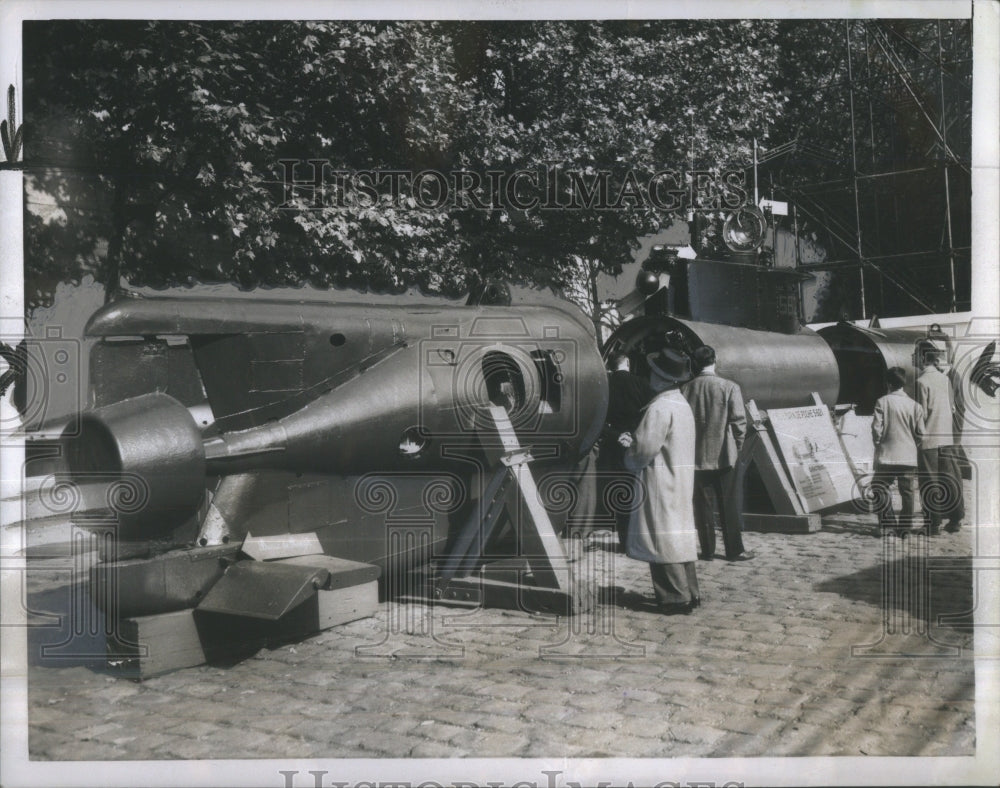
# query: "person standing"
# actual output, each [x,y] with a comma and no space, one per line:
[940,476]
[627,396]
[661,529]
[897,429]
[582,519]
[721,422]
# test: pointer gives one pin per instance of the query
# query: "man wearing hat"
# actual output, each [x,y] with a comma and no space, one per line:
[661,529]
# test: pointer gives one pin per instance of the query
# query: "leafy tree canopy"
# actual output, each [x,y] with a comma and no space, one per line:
[153,148]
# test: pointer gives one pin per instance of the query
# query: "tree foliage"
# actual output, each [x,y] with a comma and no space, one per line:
[155,146]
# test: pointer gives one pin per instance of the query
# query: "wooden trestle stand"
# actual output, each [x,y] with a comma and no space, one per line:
[800,477]
[543,579]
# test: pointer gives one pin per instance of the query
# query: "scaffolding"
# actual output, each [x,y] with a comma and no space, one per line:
[891,203]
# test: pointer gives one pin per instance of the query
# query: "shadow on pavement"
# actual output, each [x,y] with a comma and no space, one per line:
[630,600]
[937,591]
[65,629]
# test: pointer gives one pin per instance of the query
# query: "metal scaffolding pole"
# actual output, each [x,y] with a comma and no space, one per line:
[871,142]
[854,170]
[798,258]
[947,184]
[902,191]
[901,71]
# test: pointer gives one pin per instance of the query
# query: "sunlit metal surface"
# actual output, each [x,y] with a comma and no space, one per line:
[775,370]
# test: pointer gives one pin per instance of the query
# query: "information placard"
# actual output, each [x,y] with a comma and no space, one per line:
[814,456]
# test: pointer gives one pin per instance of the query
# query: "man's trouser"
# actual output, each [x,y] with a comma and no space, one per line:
[675,584]
[619,492]
[941,485]
[717,501]
[903,475]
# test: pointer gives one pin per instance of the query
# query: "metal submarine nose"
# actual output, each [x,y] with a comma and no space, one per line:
[151,448]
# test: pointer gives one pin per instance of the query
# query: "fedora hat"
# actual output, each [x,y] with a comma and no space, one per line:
[670,365]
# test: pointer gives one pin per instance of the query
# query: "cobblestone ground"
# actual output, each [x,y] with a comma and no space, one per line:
[801,651]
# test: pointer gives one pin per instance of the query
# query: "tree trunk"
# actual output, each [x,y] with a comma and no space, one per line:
[112,262]
[593,271]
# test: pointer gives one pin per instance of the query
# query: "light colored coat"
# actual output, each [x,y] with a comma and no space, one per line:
[934,396]
[717,404]
[661,529]
[897,428]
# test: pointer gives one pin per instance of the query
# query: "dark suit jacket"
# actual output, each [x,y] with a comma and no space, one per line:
[627,396]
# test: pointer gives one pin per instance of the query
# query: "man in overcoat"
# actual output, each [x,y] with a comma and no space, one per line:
[721,422]
[940,476]
[897,429]
[661,529]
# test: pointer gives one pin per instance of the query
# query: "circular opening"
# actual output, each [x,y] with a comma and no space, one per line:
[93,449]
[337,339]
[412,442]
[504,382]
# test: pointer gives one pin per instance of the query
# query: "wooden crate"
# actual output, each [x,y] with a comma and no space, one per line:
[148,646]
[329,608]
[159,644]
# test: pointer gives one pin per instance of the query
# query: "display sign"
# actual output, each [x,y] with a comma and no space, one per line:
[814,456]
[776,207]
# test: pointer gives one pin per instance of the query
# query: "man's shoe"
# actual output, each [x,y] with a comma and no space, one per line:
[703,557]
[953,526]
[676,608]
[746,555]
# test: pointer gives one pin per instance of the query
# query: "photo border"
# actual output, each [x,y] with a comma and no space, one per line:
[983,768]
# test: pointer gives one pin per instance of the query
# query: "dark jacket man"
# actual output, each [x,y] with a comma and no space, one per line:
[721,422]
[628,394]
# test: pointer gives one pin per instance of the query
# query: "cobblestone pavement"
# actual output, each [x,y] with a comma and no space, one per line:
[801,651]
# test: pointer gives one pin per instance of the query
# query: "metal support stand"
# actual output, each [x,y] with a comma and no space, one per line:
[538,580]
